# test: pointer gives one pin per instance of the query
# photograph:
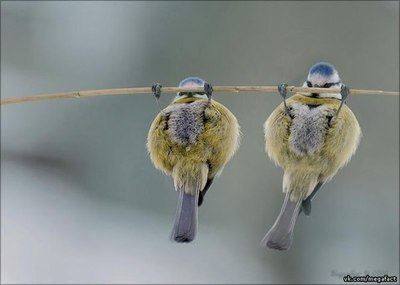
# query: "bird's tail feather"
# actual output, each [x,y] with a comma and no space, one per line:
[280,235]
[185,226]
[189,180]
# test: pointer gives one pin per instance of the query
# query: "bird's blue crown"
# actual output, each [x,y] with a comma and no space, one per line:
[323,68]
[190,81]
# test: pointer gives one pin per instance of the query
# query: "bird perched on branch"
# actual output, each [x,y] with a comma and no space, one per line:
[311,136]
[191,140]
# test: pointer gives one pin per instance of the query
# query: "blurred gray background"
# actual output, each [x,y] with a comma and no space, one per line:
[81,201]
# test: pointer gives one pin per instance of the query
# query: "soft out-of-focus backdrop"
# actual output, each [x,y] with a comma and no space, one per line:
[80,199]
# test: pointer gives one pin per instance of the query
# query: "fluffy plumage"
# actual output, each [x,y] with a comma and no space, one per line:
[191,140]
[311,144]
[318,159]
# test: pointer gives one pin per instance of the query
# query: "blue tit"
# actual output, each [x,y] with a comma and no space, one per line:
[310,140]
[191,140]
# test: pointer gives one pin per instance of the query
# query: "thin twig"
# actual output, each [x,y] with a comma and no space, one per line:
[144,90]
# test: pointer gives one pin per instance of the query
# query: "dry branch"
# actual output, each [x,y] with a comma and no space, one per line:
[144,90]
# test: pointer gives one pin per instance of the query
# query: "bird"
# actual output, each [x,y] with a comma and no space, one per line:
[310,136]
[192,139]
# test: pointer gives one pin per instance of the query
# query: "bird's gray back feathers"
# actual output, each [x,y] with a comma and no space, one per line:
[308,128]
[186,121]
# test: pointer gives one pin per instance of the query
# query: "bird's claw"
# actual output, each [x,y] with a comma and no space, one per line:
[208,89]
[282,88]
[344,91]
[156,89]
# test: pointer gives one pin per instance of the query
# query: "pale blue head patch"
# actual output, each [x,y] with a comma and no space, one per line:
[192,81]
[323,68]
[323,75]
